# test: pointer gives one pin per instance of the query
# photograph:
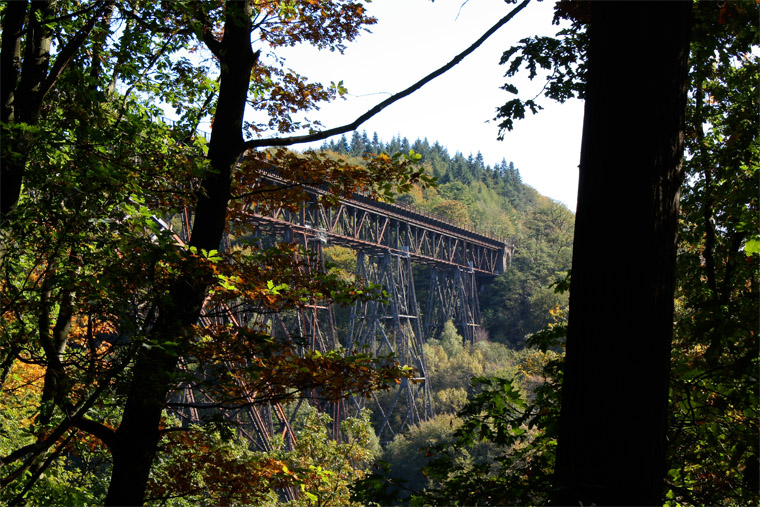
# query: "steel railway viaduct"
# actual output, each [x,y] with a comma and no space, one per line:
[388,240]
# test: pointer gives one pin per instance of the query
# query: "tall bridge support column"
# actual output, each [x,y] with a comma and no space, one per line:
[313,323]
[453,296]
[393,326]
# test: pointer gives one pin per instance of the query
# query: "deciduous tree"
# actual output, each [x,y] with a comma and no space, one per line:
[96,292]
[714,419]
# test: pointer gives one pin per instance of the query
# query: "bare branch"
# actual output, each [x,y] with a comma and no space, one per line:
[318,136]
[96,429]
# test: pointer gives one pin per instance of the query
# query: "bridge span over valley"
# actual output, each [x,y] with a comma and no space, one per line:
[388,240]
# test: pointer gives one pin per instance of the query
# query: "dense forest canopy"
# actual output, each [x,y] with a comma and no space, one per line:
[109,318]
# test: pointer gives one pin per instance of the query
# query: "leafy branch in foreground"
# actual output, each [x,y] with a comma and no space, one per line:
[101,305]
[522,429]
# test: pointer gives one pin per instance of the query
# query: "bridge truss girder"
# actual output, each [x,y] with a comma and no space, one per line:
[387,239]
[362,224]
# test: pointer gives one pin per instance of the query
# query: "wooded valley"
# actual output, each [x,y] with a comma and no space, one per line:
[616,361]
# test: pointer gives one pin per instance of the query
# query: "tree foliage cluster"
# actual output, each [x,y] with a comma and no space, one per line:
[492,441]
[715,424]
[413,457]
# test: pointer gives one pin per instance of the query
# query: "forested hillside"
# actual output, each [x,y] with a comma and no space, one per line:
[491,199]
[144,365]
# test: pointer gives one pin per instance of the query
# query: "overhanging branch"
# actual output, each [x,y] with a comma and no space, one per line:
[318,136]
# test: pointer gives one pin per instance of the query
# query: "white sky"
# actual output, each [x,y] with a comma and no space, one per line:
[413,38]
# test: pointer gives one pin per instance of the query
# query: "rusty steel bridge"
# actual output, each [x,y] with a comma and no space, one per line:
[388,240]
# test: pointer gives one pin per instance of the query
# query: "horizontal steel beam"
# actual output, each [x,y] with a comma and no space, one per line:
[374,227]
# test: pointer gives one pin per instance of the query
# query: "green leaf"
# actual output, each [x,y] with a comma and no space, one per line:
[752,246]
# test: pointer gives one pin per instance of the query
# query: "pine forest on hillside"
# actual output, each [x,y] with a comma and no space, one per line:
[141,362]
[495,201]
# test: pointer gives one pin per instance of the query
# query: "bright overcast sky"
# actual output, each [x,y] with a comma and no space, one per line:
[413,38]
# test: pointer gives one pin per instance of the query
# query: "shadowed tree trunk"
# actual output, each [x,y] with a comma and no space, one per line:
[134,444]
[613,418]
[26,77]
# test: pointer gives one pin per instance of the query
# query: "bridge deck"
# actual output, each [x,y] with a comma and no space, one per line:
[376,227]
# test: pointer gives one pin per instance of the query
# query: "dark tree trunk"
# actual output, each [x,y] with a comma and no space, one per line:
[25,80]
[10,57]
[22,76]
[136,440]
[613,417]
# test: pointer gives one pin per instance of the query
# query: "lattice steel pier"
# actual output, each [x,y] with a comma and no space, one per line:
[388,240]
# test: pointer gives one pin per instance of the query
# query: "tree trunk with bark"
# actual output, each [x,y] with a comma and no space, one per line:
[611,447]
[26,78]
[135,442]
